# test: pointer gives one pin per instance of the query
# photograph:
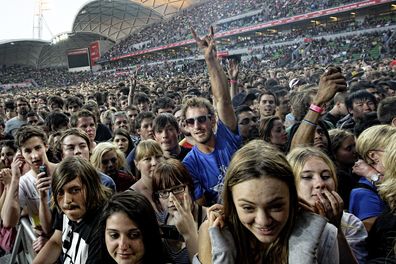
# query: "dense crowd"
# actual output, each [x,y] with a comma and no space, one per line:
[177,28]
[286,155]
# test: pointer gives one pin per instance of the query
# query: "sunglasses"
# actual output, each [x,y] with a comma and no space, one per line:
[200,119]
[246,121]
[106,161]
[164,194]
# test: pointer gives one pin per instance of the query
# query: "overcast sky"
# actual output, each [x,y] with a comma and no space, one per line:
[16,18]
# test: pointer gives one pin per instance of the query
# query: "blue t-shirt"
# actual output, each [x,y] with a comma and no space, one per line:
[365,203]
[208,170]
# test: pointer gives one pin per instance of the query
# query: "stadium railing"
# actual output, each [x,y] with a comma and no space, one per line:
[23,252]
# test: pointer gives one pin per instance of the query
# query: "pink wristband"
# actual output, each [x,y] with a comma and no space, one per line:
[233,81]
[316,108]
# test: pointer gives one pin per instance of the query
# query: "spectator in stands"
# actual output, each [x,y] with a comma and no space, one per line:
[33,101]
[142,101]
[128,225]
[209,158]
[120,120]
[33,119]
[386,111]
[186,139]
[338,111]
[9,108]
[166,131]
[107,158]
[22,108]
[247,123]
[111,100]
[163,105]
[103,133]
[78,197]
[132,112]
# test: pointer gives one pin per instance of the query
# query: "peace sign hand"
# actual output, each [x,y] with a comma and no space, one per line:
[184,220]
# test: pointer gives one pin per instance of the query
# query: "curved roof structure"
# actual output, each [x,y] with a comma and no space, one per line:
[111,20]
[114,19]
[21,52]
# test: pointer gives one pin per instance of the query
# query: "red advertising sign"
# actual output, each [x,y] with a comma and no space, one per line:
[94,52]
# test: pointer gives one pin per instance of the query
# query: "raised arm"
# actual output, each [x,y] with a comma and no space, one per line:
[218,80]
[331,82]
[132,89]
[233,71]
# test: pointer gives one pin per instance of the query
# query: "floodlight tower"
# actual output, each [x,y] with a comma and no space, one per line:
[41,6]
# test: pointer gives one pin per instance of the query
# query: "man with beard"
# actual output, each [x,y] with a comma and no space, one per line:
[22,108]
[247,123]
[208,160]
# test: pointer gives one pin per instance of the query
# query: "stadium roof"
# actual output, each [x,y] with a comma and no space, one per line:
[116,19]
[101,19]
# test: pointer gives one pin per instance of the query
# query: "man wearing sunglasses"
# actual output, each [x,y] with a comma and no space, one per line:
[208,160]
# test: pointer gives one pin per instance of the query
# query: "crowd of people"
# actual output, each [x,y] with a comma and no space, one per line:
[201,16]
[274,158]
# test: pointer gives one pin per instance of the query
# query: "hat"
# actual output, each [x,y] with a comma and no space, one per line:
[242,97]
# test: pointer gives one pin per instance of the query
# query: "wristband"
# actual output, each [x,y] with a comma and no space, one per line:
[316,108]
[309,122]
[233,81]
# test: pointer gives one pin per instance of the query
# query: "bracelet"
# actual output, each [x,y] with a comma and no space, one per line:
[233,81]
[316,108]
[309,122]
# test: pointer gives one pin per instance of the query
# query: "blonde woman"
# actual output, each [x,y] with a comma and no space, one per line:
[316,182]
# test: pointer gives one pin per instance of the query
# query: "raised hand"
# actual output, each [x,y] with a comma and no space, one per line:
[206,44]
[232,69]
[43,183]
[331,82]
[5,176]
[17,165]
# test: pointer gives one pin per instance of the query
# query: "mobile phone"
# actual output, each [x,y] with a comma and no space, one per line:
[42,168]
[170,232]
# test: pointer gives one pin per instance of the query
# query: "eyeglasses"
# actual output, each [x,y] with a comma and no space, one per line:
[246,121]
[200,119]
[164,194]
[106,161]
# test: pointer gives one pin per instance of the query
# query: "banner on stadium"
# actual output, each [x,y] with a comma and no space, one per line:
[94,52]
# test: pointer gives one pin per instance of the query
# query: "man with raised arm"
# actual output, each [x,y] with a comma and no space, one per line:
[208,160]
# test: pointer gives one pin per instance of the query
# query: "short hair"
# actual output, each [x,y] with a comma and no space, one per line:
[32,113]
[101,149]
[170,173]
[82,113]
[139,210]
[300,155]
[375,137]
[56,100]
[118,114]
[10,144]
[163,119]
[55,120]
[386,111]
[148,148]
[197,102]
[242,109]
[141,98]
[359,95]
[132,108]
[337,137]
[163,102]
[269,93]
[25,133]
[69,169]
[141,116]
[73,100]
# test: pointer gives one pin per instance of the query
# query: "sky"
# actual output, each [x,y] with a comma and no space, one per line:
[17,16]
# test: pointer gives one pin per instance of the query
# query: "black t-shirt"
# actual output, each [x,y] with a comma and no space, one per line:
[103,133]
[80,243]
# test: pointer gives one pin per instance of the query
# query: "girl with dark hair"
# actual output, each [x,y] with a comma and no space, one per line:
[173,194]
[263,221]
[129,231]
[273,131]
[122,140]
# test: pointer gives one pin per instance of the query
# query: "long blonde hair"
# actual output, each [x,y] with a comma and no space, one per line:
[387,189]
